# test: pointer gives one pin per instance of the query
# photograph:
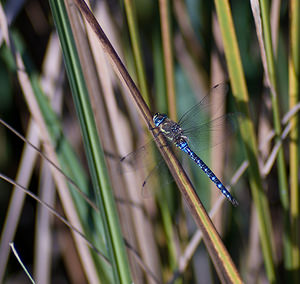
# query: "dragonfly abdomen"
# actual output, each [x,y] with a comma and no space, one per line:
[183,145]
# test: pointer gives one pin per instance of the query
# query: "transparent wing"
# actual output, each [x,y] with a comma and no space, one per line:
[199,127]
[136,159]
[149,164]
[199,114]
[159,176]
[143,157]
[212,133]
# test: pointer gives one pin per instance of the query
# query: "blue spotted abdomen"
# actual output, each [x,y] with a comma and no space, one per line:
[182,145]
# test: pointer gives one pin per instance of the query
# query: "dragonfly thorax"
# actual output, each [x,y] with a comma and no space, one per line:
[170,129]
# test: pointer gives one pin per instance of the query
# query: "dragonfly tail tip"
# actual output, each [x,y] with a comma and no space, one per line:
[234,202]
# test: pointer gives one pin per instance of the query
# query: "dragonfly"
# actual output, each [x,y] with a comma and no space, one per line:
[190,126]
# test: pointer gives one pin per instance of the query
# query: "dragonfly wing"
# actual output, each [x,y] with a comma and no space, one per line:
[158,179]
[150,167]
[137,158]
[199,113]
[212,133]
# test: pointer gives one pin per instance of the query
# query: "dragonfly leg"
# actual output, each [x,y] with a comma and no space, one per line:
[156,135]
[152,128]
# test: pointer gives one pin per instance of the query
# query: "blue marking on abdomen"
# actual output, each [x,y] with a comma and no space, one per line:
[182,145]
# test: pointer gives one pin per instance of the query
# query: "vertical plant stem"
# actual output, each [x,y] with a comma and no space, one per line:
[294,85]
[94,152]
[168,56]
[240,92]
[134,35]
[282,175]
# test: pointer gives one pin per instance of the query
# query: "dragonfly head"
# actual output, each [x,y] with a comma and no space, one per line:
[158,118]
